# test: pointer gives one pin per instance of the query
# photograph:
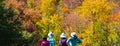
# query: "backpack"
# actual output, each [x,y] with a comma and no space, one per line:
[63,42]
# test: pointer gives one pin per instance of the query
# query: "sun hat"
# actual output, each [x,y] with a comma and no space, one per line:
[50,34]
[73,34]
[63,35]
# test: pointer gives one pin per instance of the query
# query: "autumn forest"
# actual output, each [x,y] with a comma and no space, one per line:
[25,22]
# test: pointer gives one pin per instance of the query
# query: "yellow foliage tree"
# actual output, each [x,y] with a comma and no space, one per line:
[100,11]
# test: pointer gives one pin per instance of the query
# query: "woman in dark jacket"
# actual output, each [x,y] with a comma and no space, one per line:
[63,39]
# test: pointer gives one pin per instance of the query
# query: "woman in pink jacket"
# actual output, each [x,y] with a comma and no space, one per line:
[45,42]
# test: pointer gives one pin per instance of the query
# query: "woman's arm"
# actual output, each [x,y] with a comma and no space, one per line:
[79,40]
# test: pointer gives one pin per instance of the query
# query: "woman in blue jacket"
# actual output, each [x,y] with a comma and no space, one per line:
[51,39]
[73,40]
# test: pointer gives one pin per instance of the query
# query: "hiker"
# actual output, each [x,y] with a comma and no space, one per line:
[45,42]
[51,38]
[63,39]
[73,40]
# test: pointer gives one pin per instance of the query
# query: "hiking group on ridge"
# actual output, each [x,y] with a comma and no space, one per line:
[72,41]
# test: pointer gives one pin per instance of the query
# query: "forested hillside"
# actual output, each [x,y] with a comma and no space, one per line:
[25,22]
